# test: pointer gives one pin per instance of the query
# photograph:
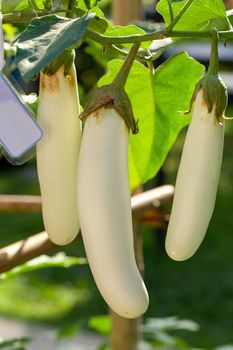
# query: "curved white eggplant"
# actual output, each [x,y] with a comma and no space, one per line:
[105,212]
[197,182]
[57,154]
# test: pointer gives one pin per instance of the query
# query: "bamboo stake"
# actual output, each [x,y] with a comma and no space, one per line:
[228,4]
[125,11]
[124,334]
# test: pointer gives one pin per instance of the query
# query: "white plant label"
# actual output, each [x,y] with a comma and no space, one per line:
[18,130]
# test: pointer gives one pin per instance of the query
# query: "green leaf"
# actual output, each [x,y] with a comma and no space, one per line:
[43,262]
[197,16]
[40,43]
[40,4]
[126,30]
[99,23]
[87,4]
[101,324]
[27,4]
[15,343]
[9,6]
[69,330]
[24,5]
[156,101]
[91,3]
[169,324]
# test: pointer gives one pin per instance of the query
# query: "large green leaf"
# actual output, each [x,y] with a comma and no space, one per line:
[156,100]
[40,43]
[126,30]
[198,14]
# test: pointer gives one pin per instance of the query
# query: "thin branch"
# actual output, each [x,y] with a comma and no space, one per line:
[19,203]
[144,205]
[162,34]
[21,17]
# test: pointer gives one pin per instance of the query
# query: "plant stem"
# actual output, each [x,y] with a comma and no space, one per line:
[34,7]
[71,4]
[170,11]
[21,17]
[142,55]
[138,38]
[180,14]
[214,61]
[128,39]
[122,75]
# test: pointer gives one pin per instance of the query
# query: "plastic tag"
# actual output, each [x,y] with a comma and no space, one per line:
[18,131]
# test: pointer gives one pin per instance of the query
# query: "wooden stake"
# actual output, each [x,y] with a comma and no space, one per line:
[143,206]
[124,332]
[18,203]
[228,4]
[125,11]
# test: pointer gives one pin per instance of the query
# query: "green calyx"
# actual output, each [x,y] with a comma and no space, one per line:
[115,96]
[66,59]
[214,94]
[109,96]
[212,85]
[214,89]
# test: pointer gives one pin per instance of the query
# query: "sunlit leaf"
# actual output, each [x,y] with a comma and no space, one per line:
[43,262]
[156,100]
[197,16]
[101,324]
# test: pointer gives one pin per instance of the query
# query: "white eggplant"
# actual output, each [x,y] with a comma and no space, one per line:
[196,183]
[57,154]
[105,212]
